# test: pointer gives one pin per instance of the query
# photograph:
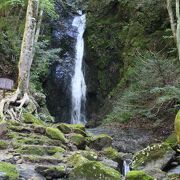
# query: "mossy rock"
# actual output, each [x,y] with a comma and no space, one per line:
[177,127]
[171,140]
[51,171]
[78,140]
[157,155]
[55,133]
[9,171]
[3,145]
[77,126]
[89,154]
[32,150]
[76,159]
[54,150]
[40,150]
[31,119]
[64,128]
[3,127]
[173,177]
[79,131]
[111,153]
[138,175]
[20,129]
[99,142]
[92,170]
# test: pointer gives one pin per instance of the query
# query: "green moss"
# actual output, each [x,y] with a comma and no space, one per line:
[76,160]
[177,127]
[30,119]
[94,170]
[54,150]
[89,154]
[64,128]
[99,142]
[32,150]
[173,176]
[79,131]
[3,145]
[9,170]
[78,140]
[55,133]
[153,152]
[171,140]
[111,153]
[138,175]
[76,126]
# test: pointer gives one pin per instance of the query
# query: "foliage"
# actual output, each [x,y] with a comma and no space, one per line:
[44,57]
[153,87]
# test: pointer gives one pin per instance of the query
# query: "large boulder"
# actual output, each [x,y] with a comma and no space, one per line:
[138,175]
[153,159]
[56,134]
[157,156]
[51,172]
[92,170]
[112,154]
[78,140]
[99,142]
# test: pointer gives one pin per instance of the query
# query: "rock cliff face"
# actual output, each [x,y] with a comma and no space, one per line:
[58,86]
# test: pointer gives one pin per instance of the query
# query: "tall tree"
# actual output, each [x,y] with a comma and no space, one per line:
[175,22]
[34,15]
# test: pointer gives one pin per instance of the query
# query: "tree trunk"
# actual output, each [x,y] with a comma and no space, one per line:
[27,48]
[178,28]
[38,28]
[171,17]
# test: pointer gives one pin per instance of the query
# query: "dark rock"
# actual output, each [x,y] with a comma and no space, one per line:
[173,164]
[99,142]
[40,129]
[109,162]
[51,172]
[3,128]
[3,176]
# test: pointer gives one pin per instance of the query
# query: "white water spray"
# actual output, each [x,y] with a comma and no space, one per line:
[78,81]
[126,167]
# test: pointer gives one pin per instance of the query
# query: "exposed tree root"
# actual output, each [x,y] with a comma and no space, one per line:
[11,106]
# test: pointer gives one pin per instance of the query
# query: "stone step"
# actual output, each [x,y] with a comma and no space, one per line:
[41,159]
[40,150]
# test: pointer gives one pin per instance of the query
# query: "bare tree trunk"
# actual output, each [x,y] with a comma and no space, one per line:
[27,47]
[171,16]
[178,27]
[175,27]
[39,25]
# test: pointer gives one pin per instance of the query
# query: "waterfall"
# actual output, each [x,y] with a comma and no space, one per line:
[78,82]
[126,167]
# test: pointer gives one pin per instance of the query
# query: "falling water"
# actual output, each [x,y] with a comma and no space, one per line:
[78,81]
[126,167]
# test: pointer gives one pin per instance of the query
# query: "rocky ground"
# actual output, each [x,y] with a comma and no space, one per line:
[34,150]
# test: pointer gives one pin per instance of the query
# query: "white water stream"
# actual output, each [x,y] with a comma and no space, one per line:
[78,81]
[126,167]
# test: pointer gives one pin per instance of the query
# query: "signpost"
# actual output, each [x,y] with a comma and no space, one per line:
[6,84]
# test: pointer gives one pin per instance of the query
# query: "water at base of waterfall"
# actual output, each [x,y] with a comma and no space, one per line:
[78,82]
